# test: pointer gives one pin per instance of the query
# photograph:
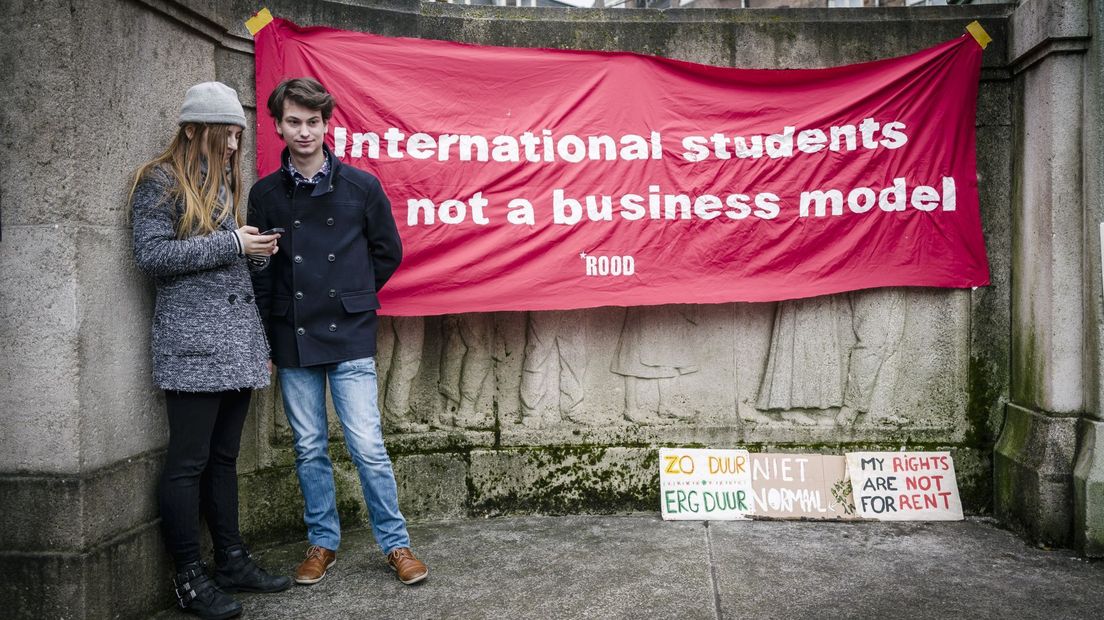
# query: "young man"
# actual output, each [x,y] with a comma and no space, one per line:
[318,302]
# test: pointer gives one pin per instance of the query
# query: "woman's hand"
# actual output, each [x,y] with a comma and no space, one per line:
[253,243]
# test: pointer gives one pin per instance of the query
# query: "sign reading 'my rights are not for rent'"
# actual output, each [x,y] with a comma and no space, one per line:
[905,486]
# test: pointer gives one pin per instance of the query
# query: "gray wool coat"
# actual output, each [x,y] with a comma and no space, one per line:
[207,334]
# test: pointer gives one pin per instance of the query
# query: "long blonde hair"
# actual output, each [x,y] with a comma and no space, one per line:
[204,212]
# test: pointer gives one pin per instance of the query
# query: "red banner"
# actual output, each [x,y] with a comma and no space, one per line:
[539,179]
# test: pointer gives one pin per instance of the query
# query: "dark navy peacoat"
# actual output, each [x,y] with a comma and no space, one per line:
[340,246]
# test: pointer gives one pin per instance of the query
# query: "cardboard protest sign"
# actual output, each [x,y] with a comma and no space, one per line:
[800,486]
[905,486]
[699,484]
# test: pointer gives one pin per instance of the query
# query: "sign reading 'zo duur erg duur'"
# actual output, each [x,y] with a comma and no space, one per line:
[705,484]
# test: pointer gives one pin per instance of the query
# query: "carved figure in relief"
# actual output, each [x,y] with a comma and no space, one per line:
[805,366]
[809,368]
[408,335]
[552,370]
[655,350]
[878,321]
[466,363]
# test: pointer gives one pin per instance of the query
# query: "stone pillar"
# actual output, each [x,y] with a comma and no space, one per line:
[94,90]
[1088,472]
[1033,462]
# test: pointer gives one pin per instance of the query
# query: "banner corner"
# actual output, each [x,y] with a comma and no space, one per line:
[258,21]
[978,32]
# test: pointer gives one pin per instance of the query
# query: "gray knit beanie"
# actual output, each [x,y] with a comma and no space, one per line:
[212,102]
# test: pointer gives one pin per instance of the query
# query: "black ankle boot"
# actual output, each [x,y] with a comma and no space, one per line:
[197,594]
[237,572]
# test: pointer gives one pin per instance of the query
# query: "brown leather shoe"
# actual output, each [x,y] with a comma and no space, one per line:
[409,568]
[313,569]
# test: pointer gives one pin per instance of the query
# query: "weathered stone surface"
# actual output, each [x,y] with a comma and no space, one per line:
[39,359]
[258,446]
[122,413]
[1093,147]
[432,486]
[1037,22]
[994,105]
[40,513]
[150,63]
[1032,471]
[1088,490]
[990,314]
[560,567]
[1048,242]
[974,473]
[37,127]
[87,585]
[43,586]
[70,513]
[530,567]
[119,498]
[565,480]
[887,570]
[270,505]
[1094,211]
[109,595]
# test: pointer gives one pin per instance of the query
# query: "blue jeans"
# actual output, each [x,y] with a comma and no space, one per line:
[353,388]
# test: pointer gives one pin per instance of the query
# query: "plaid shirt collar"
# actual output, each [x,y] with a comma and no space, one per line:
[302,180]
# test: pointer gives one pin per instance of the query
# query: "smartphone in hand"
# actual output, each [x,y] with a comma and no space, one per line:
[272,231]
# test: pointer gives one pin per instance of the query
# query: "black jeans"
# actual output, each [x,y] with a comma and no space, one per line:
[201,470]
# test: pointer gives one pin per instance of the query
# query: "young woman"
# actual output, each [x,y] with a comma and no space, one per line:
[209,349]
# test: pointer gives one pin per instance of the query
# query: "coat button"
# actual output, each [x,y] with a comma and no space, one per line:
[300,331]
[333,292]
[329,221]
[333,327]
[298,259]
[232,298]
[248,299]
[331,258]
[296,224]
[298,294]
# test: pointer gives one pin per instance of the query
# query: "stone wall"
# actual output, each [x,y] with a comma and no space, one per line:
[561,411]
[538,412]
[81,429]
[1048,463]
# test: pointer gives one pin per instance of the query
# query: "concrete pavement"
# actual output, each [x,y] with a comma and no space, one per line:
[637,566]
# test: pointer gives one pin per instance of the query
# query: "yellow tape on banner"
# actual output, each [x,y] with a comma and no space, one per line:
[263,18]
[983,39]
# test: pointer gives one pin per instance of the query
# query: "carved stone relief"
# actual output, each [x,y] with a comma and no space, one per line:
[826,355]
[801,370]
[400,344]
[863,358]
[552,370]
[878,322]
[466,364]
[806,364]
[655,350]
